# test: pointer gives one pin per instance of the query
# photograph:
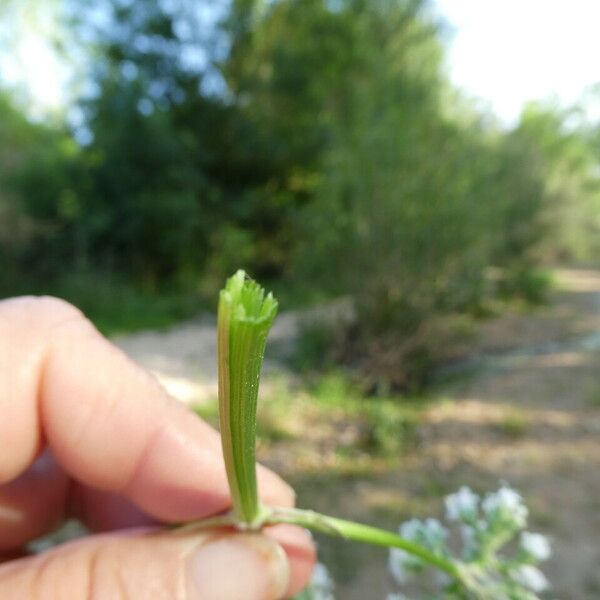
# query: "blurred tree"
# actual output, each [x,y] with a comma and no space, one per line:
[35,161]
[313,138]
[397,221]
[289,71]
[568,155]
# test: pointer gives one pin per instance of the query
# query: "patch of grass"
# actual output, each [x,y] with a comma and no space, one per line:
[270,429]
[514,424]
[385,427]
[392,428]
[431,488]
[592,585]
[593,397]
[334,389]
[328,426]
[527,284]
[331,415]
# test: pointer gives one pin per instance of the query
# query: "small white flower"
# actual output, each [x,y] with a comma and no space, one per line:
[411,529]
[531,577]
[434,529]
[462,505]
[469,538]
[321,577]
[321,584]
[506,504]
[536,545]
[401,564]
[430,532]
[441,579]
[397,597]
[434,534]
[397,565]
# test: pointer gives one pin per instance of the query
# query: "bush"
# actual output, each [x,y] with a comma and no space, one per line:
[526,283]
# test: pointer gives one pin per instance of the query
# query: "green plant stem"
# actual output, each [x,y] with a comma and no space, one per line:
[245,317]
[360,533]
[334,527]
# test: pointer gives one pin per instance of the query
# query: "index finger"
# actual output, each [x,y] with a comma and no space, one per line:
[107,421]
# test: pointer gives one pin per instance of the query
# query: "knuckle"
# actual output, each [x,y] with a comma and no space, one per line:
[42,312]
[75,570]
[52,312]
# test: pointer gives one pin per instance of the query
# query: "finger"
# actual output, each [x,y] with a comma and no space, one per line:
[32,504]
[300,549]
[39,500]
[158,565]
[106,511]
[108,422]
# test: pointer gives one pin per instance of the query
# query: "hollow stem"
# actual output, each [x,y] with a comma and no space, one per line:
[245,317]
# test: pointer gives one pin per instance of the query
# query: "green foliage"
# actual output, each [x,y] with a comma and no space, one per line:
[318,146]
[529,284]
[387,423]
[397,223]
[382,428]
[413,208]
[514,424]
[593,399]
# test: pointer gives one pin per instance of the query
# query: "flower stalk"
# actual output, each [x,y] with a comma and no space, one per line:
[361,533]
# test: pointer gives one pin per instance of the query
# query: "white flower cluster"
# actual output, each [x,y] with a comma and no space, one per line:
[530,577]
[486,526]
[536,545]
[506,505]
[429,533]
[462,506]
[534,548]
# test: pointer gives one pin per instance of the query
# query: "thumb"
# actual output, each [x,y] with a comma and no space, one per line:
[151,564]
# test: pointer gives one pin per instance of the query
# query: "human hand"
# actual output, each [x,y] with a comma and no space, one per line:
[85,432]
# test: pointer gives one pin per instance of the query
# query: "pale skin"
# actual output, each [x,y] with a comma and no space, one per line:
[86,432]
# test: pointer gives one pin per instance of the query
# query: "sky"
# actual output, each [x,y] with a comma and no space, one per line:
[504,52]
[508,52]
[27,57]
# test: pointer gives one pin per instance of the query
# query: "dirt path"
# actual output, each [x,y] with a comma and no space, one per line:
[530,415]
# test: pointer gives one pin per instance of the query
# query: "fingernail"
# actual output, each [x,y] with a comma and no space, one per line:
[244,566]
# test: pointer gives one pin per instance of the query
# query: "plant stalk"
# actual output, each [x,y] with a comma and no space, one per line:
[360,533]
[334,527]
[245,317]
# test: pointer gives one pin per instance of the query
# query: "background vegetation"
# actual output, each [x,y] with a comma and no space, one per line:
[315,143]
